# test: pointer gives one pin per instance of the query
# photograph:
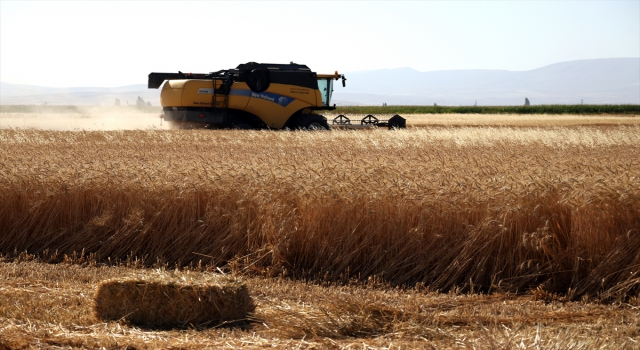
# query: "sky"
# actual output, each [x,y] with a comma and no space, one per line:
[118,43]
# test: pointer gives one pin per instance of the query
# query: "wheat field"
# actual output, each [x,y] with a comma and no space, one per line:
[509,120]
[470,208]
[134,118]
[436,237]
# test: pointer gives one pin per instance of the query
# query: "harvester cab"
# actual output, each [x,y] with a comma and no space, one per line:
[325,85]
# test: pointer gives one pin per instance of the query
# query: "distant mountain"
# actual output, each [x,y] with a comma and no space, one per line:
[595,81]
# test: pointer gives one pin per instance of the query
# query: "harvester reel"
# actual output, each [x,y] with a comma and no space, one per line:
[341,120]
[258,80]
[369,120]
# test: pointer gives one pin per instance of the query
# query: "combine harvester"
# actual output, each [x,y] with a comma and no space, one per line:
[255,96]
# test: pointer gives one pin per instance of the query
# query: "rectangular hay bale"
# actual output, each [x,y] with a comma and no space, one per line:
[167,300]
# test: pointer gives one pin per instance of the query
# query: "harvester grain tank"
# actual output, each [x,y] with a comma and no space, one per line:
[251,96]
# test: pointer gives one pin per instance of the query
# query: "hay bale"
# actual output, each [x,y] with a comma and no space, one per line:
[170,300]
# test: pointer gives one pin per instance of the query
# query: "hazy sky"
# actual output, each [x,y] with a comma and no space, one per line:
[116,43]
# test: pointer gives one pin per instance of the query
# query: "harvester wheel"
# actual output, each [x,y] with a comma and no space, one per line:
[243,126]
[312,122]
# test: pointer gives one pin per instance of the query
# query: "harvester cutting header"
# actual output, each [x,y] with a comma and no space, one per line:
[251,96]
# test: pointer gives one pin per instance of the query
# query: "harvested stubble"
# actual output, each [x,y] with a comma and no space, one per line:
[163,300]
[50,306]
[472,209]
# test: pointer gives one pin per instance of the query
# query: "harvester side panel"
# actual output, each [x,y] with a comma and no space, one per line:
[171,94]
[278,101]
[199,93]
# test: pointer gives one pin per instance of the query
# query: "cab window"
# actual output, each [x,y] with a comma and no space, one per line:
[326,88]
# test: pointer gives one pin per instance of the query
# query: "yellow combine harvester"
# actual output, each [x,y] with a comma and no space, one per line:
[251,96]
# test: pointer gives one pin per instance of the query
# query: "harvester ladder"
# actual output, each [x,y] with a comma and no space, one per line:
[215,98]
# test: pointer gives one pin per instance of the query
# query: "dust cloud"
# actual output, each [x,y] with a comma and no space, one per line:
[82,118]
